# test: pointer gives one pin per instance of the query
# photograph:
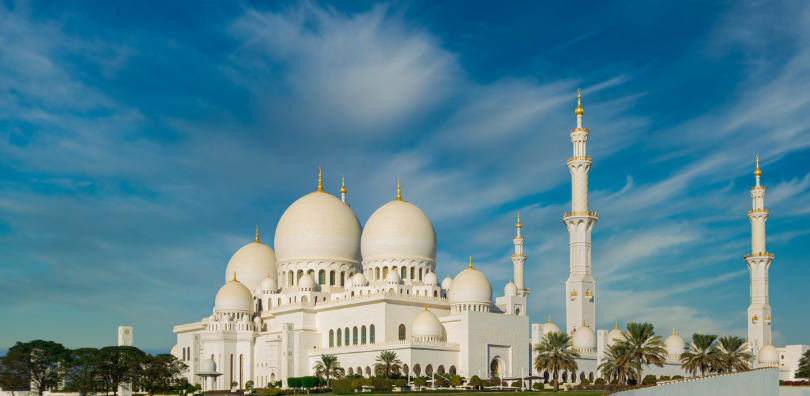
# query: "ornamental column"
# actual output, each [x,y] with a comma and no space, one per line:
[759,311]
[580,287]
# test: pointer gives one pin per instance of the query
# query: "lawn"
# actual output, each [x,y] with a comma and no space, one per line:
[544,393]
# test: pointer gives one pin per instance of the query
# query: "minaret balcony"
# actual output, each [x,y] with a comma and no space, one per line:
[572,159]
[765,211]
[582,214]
[758,255]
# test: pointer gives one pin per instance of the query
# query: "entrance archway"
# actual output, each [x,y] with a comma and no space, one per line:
[495,368]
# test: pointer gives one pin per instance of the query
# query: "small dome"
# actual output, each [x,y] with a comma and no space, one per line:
[176,351]
[392,277]
[447,282]
[615,335]
[318,226]
[471,286]
[510,289]
[550,327]
[674,344]
[233,296]
[359,280]
[307,282]
[430,279]
[268,284]
[584,338]
[208,366]
[427,325]
[398,229]
[769,356]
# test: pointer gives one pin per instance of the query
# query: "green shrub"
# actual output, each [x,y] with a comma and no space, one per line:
[515,384]
[538,386]
[474,381]
[599,381]
[585,382]
[664,378]
[294,382]
[614,382]
[419,381]
[456,381]
[649,379]
[381,384]
[677,377]
[401,382]
[309,381]
[495,381]
[342,385]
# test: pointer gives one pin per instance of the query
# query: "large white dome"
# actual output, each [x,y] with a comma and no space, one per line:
[234,296]
[252,263]
[470,286]
[674,344]
[398,229]
[550,327]
[427,325]
[318,226]
[584,339]
[768,356]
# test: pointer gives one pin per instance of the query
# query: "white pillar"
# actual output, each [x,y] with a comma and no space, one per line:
[759,261]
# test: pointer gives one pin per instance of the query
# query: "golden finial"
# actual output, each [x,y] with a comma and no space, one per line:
[757,172]
[518,221]
[583,323]
[399,191]
[470,263]
[342,184]
[673,331]
[579,111]
[257,233]
[616,326]
[426,308]
[320,179]
[234,277]
[549,319]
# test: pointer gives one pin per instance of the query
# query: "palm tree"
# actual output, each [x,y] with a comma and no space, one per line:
[702,354]
[615,365]
[387,364]
[641,346]
[733,354]
[328,367]
[554,353]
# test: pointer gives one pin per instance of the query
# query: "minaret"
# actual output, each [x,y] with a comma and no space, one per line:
[759,312]
[518,260]
[579,288]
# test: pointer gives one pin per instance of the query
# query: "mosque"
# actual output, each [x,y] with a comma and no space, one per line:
[332,286]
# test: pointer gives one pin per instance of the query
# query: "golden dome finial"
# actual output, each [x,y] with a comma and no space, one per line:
[616,326]
[549,319]
[673,331]
[320,179]
[470,267]
[579,111]
[399,191]
[518,225]
[234,277]
[342,184]
[757,172]
[257,233]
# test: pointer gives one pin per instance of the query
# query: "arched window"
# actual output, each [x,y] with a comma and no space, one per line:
[429,370]
[412,272]
[417,370]
[452,370]
[331,338]
[346,336]
[402,332]
[420,274]
[371,334]
[241,370]
[342,278]
[260,305]
[403,273]
[363,335]
[304,299]
[440,370]
[338,337]
[385,272]
[331,278]
[354,335]
[230,374]
[298,277]
[377,273]
[435,293]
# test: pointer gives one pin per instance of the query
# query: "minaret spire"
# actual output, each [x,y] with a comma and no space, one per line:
[399,191]
[257,233]
[343,188]
[759,261]
[519,260]
[580,286]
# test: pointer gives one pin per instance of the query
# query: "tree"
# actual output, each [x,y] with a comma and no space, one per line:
[804,366]
[733,354]
[160,373]
[420,381]
[12,379]
[328,367]
[702,354]
[640,347]
[249,385]
[36,363]
[387,364]
[81,371]
[616,364]
[119,365]
[474,381]
[455,381]
[554,353]
[234,384]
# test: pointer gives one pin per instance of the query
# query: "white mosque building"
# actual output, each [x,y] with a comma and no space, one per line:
[332,286]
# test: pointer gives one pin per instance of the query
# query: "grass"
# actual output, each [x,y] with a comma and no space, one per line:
[545,392]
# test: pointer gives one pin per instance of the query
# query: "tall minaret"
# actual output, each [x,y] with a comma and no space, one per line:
[579,288]
[759,312]
[518,260]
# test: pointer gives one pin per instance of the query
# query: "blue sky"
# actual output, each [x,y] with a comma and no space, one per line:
[141,142]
